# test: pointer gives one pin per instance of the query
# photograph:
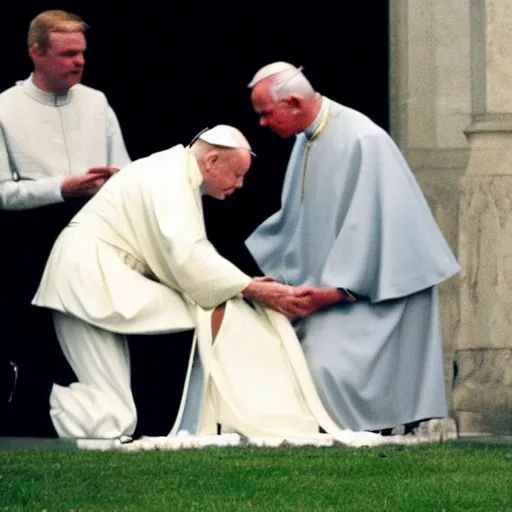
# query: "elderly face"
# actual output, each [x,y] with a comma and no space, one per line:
[278,116]
[224,171]
[63,62]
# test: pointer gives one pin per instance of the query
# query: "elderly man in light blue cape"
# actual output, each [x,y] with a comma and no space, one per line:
[356,233]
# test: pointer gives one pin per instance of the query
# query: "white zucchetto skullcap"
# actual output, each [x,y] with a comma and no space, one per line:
[269,70]
[225,136]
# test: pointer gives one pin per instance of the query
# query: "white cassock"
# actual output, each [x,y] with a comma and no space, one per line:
[136,259]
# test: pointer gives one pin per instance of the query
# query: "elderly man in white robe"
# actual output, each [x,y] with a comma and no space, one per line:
[136,259]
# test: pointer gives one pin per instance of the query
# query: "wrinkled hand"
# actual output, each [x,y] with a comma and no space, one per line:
[319,298]
[277,296]
[264,279]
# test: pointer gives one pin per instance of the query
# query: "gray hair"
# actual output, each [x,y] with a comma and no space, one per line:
[290,82]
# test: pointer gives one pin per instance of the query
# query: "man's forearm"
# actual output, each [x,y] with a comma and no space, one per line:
[254,290]
[28,194]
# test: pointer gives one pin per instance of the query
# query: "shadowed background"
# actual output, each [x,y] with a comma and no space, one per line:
[172,69]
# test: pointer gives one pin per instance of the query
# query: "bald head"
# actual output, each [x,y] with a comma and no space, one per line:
[224,136]
[224,156]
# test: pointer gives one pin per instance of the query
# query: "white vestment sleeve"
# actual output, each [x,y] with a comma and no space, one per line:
[206,277]
[180,237]
[28,194]
[25,194]
[117,153]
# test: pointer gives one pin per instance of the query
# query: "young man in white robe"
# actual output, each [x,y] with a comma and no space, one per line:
[59,141]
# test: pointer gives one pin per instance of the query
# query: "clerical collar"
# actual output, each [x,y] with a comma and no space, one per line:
[311,133]
[195,176]
[320,122]
[47,98]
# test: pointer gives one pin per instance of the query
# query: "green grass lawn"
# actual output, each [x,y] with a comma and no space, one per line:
[448,477]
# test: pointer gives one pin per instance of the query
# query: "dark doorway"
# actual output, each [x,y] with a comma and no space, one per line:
[170,69]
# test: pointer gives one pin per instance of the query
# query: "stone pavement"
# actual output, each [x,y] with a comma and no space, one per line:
[429,432]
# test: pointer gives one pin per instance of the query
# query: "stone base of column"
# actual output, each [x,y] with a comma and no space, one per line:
[482,393]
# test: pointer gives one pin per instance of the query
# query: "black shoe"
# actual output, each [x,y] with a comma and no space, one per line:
[383,432]
[410,428]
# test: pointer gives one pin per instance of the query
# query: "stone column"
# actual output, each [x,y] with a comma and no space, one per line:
[430,107]
[482,396]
